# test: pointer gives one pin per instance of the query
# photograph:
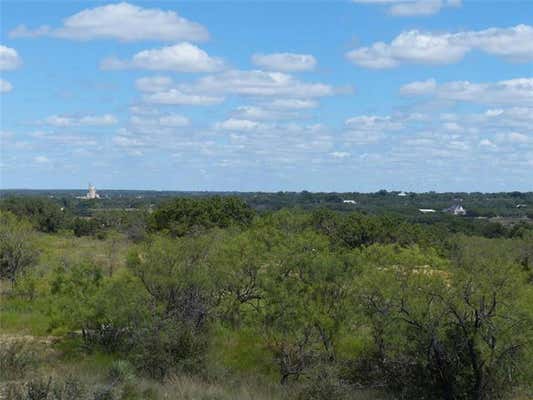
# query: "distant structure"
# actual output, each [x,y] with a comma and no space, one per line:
[426,210]
[349,202]
[91,194]
[402,194]
[456,209]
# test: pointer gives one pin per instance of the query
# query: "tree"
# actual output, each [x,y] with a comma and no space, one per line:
[303,305]
[181,296]
[448,331]
[17,251]
[43,213]
[184,216]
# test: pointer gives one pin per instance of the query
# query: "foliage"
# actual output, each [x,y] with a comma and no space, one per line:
[336,303]
[43,213]
[458,333]
[17,252]
[184,216]
[181,297]
[18,358]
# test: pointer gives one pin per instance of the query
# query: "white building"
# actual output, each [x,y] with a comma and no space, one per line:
[456,209]
[402,194]
[349,202]
[426,210]
[91,194]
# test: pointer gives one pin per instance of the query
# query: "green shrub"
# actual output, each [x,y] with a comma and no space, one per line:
[17,358]
[121,371]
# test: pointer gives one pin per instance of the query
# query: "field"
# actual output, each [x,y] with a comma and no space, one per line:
[208,299]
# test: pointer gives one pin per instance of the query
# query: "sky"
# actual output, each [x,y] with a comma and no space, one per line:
[354,95]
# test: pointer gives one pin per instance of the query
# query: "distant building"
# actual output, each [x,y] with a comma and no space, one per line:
[91,194]
[349,202]
[456,209]
[402,194]
[426,210]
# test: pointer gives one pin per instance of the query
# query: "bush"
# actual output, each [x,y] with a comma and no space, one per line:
[121,371]
[17,252]
[185,216]
[17,359]
[323,383]
[43,213]
[87,227]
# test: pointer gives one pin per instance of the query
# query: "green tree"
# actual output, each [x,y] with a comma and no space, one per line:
[17,252]
[181,298]
[184,216]
[43,213]
[447,331]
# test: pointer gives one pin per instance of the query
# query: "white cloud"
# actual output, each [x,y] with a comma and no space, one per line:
[169,121]
[41,160]
[9,59]
[514,91]
[183,57]
[178,97]
[122,21]
[257,113]
[373,122]
[5,86]
[367,129]
[261,83]
[416,47]
[339,154]
[212,89]
[516,137]
[154,84]
[419,88]
[293,104]
[234,124]
[409,8]
[487,143]
[286,62]
[87,120]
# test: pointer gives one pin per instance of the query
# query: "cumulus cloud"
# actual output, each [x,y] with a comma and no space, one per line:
[178,97]
[9,59]
[339,154]
[514,91]
[154,83]
[5,86]
[261,83]
[285,62]
[122,21]
[41,159]
[169,120]
[261,113]
[87,120]
[367,129]
[293,104]
[182,57]
[234,124]
[416,47]
[419,87]
[285,91]
[409,8]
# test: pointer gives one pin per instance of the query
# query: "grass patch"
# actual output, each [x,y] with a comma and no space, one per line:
[22,318]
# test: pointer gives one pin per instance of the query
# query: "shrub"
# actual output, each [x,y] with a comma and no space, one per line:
[121,371]
[17,359]
[17,252]
[184,216]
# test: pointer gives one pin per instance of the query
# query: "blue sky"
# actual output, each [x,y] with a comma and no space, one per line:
[324,96]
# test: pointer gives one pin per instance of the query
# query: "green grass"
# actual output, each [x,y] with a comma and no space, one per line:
[64,248]
[22,318]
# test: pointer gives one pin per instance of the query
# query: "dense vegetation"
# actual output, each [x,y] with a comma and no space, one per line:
[209,298]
